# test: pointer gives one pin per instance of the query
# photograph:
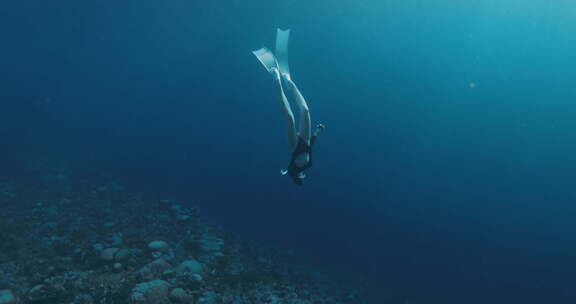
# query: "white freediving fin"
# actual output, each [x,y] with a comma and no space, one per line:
[267,59]
[282,37]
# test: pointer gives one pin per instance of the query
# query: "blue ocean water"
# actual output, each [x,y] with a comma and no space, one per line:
[446,172]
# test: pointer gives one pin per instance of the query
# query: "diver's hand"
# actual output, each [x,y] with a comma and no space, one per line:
[319,128]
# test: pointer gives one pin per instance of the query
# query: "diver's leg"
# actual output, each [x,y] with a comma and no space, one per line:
[304,131]
[287,112]
[282,37]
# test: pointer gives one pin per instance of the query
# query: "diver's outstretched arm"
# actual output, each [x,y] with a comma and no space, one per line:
[287,112]
[304,131]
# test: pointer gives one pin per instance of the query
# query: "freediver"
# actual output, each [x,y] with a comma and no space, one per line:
[300,142]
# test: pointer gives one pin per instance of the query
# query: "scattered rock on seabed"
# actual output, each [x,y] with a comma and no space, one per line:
[151,292]
[101,244]
[7,297]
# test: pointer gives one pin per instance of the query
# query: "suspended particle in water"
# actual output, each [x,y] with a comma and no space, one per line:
[472,85]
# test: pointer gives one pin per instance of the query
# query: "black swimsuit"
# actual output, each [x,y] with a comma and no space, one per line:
[302,147]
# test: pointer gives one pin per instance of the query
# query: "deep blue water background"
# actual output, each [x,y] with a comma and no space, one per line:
[446,173]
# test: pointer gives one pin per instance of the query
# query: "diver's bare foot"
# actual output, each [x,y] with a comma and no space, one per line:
[276,73]
[287,77]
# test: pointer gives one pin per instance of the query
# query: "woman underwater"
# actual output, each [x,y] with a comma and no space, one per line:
[300,142]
